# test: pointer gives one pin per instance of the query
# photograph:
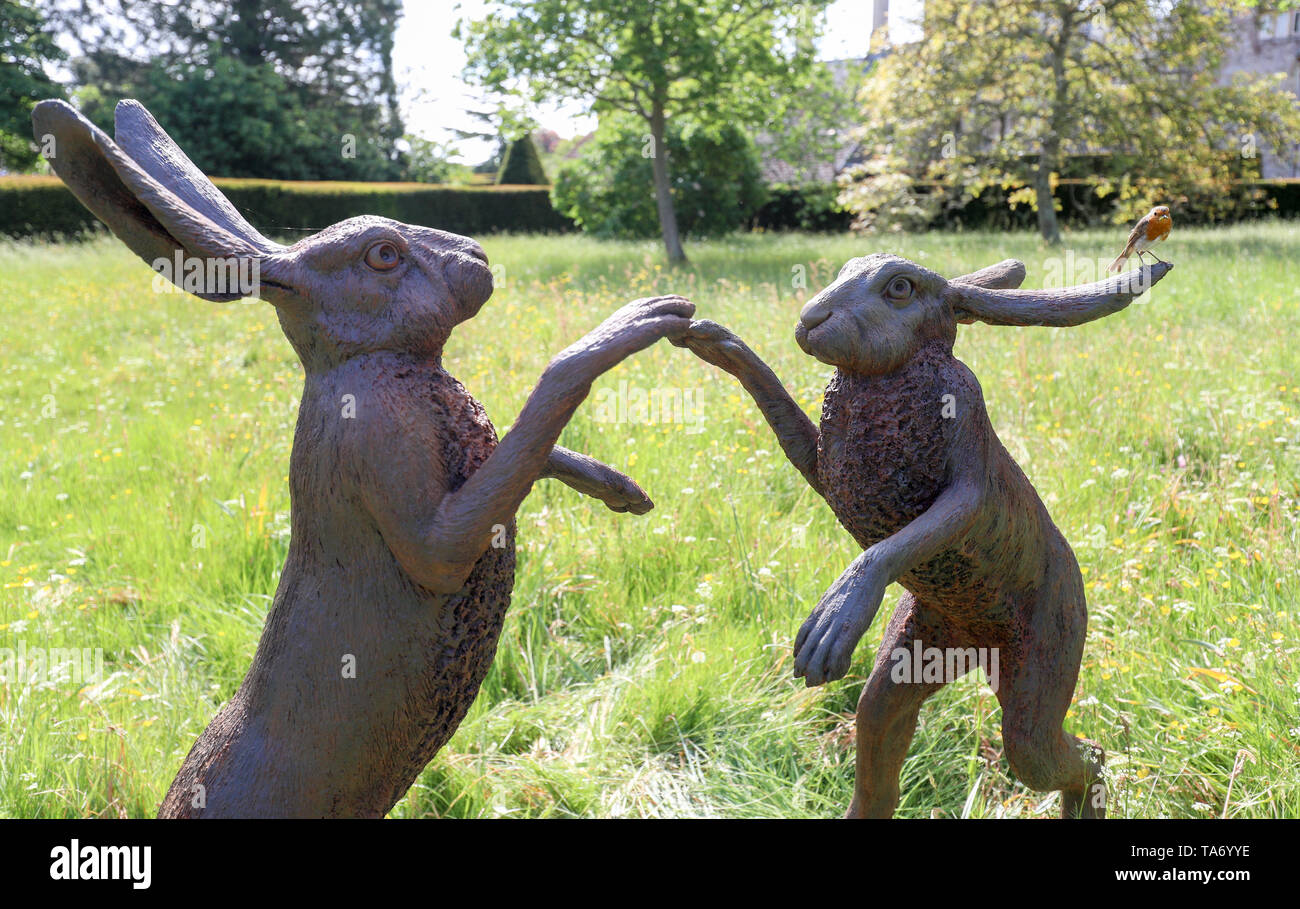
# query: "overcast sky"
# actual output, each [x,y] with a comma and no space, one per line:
[428,64]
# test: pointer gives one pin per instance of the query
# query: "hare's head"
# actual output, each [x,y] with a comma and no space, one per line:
[882,309]
[363,285]
[874,317]
[369,284]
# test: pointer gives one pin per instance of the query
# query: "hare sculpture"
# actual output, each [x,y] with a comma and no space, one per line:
[401,559]
[907,459]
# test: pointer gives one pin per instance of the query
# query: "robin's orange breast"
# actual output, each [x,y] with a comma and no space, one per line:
[1158,228]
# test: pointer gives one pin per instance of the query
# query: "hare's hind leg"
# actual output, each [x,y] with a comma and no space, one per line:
[889,707]
[1035,690]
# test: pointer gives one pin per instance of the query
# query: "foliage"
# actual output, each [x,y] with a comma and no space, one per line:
[716,179]
[522,164]
[42,206]
[719,61]
[806,206]
[286,89]
[997,94]
[241,120]
[644,667]
[884,196]
[817,136]
[502,123]
[25,48]
[428,161]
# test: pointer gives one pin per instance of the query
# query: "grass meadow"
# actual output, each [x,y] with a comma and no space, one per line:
[645,666]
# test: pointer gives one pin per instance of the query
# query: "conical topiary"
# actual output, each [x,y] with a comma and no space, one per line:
[522,164]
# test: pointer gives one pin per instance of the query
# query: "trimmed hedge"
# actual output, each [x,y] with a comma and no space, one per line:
[43,206]
[1080,207]
[812,207]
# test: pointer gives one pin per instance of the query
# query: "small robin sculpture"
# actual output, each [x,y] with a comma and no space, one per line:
[1154,227]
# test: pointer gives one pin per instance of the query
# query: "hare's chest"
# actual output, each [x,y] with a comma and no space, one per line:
[882,455]
[459,429]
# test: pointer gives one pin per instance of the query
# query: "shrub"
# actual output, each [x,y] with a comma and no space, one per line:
[522,165]
[609,189]
[808,206]
[884,197]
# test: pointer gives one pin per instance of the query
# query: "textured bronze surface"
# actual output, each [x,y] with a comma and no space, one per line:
[907,459]
[402,554]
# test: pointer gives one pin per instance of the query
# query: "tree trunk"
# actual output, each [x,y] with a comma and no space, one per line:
[663,189]
[1048,161]
[1049,158]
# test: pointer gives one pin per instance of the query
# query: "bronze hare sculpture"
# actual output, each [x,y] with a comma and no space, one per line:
[908,461]
[402,554]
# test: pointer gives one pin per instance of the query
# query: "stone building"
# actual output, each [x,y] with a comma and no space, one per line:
[1269,44]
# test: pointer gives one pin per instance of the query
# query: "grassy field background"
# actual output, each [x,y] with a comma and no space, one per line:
[645,665]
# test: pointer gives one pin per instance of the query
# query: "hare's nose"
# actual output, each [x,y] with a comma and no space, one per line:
[477,252]
[815,312]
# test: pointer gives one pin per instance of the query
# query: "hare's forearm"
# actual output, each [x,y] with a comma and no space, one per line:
[937,528]
[572,469]
[797,435]
[794,431]
[600,481]
[462,527]
[825,643]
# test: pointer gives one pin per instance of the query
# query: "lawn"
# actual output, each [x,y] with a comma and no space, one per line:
[645,667]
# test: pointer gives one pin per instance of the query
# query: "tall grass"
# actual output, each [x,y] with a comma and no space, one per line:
[645,665]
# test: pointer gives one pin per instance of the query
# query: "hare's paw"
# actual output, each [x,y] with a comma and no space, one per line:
[711,342]
[654,307]
[823,650]
[635,327]
[620,493]
[668,315]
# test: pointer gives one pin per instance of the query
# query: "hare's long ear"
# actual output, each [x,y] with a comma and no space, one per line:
[1007,274]
[148,145]
[1068,306]
[144,214]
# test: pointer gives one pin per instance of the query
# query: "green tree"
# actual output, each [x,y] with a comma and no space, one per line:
[716,60]
[237,119]
[328,63]
[717,179]
[1000,94]
[501,124]
[431,162]
[522,164]
[25,48]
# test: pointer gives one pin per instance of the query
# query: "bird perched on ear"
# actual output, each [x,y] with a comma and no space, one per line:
[1154,227]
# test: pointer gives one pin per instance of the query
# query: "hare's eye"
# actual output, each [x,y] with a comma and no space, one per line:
[899,289]
[383,256]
